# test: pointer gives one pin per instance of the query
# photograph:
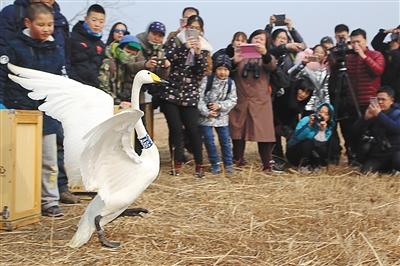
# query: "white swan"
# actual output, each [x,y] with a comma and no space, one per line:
[97,145]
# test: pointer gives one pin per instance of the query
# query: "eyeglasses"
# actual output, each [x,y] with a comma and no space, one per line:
[120,31]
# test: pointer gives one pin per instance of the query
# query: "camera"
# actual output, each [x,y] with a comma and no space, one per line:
[318,118]
[160,62]
[251,67]
[366,138]
[340,51]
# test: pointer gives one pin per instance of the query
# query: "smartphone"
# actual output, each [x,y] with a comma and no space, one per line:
[280,20]
[192,33]
[373,100]
[248,50]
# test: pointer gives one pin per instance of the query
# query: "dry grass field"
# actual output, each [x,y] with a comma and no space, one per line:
[333,217]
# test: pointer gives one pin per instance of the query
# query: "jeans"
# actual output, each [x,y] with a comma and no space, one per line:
[224,140]
[50,194]
[62,178]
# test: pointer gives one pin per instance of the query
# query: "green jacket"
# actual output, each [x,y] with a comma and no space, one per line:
[117,72]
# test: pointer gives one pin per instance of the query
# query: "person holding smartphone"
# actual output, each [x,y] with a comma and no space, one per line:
[286,43]
[186,13]
[312,65]
[180,97]
[252,118]
[391,52]
[377,134]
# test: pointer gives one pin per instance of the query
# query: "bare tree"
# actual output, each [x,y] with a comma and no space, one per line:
[107,4]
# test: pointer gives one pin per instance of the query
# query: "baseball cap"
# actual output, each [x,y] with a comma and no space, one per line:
[157,26]
[131,41]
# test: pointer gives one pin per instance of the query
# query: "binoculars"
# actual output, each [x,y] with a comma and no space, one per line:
[251,67]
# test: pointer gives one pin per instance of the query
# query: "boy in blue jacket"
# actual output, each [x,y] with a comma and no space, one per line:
[308,146]
[35,48]
[11,23]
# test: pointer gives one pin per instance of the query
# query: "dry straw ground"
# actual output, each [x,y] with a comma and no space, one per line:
[335,217]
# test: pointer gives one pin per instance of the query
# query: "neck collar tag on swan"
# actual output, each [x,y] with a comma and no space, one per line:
[146,142]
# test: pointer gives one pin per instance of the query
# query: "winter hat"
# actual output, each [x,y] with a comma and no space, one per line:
[157,27]
[222,60]
[131,41]
[326,39]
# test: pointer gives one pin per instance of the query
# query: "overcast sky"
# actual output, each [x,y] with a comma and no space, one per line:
[313,19]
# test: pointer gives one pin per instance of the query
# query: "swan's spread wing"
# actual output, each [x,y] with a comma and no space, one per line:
[108,150]
[79,108]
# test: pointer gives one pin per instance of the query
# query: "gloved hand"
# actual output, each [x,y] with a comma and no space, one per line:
[2,106]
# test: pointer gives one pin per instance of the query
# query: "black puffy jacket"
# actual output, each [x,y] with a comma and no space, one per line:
[87,53]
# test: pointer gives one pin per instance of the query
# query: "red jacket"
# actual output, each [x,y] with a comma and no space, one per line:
[365,74]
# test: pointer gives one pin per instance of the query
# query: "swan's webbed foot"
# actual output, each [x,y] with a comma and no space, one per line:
[134,212]
[100,234]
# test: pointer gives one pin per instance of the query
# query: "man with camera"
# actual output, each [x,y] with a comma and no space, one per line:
[153,52]
[391,52]
[356,77]
[378,134]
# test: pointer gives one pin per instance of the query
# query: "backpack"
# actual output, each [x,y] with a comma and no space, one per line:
[210,80]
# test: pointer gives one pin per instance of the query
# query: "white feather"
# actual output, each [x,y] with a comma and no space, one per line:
[96,143]
[79,108]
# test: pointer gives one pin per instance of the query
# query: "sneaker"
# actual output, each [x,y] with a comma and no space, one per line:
[240,162]
[176,171]
[68,198]
[277,168]
[215,169]
[305,170]
[229,170]
[199,172]
[53,211]
[395,173]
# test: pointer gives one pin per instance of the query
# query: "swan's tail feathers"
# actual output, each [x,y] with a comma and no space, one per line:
[86,225]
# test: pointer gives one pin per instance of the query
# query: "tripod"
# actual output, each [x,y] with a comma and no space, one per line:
[343,82]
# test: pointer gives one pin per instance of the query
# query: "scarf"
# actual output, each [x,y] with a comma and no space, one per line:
[91,33]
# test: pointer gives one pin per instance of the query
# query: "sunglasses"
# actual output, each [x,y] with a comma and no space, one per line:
[120,31]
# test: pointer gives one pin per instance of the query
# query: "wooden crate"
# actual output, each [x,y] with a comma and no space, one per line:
[20,167]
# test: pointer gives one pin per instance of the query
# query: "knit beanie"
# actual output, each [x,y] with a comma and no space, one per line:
[222,60]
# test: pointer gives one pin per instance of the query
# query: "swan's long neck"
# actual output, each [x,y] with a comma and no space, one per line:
[140,129]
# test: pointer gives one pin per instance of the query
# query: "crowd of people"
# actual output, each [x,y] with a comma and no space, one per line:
[263,87]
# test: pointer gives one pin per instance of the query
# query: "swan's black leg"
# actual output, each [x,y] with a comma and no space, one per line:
[133,212]
[100,234]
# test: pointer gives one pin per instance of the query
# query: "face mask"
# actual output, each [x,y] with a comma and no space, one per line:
[155,46]
[124,56]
